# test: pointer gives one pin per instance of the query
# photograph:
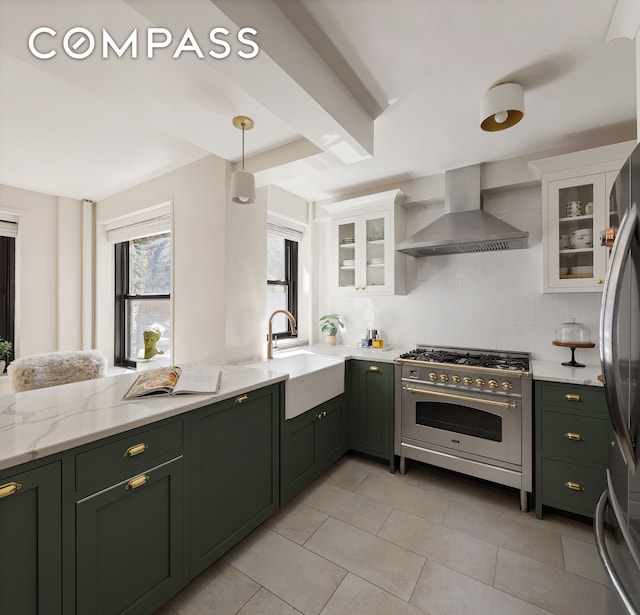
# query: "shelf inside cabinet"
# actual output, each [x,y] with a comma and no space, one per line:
[575,276]
[576,219]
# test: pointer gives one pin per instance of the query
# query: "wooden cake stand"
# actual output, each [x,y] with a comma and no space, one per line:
[573,346]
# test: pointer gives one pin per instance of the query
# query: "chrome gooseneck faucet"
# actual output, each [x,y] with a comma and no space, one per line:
[292,320]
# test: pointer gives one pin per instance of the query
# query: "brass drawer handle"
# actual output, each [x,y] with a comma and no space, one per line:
[574,486]
[9,489]
[374,368]
[573,436]
[136,449]
[573,397]
[241,399]
[134,483]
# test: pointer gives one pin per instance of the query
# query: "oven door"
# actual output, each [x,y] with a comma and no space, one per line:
[483,425]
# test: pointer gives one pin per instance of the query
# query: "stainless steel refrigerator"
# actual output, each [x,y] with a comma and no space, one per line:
[617,517]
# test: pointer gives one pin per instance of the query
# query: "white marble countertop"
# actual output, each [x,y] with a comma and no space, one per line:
[47,421]
[37,423]
[556,372]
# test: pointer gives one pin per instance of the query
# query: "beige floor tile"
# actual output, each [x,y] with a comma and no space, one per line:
[580,530]
[296,521]
[394,491]
[348,473]
[265,603]
[520,533]
[582,558]
[355,596]
[220,589]
[460,488]
[561,592]
[461,552]
[442,591]
[367,514]
[291,572]
[382,563]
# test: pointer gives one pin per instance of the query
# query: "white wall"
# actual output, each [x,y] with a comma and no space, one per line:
[488,300]
[48,260]
[197,193]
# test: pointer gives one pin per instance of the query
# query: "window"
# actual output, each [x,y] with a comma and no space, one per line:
[143,295]
[7,284]
[282,281]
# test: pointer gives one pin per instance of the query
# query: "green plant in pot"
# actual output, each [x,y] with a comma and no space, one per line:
[6,350]
[329,324]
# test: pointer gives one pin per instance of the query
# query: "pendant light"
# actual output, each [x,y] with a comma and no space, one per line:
[243,183]
[502,107]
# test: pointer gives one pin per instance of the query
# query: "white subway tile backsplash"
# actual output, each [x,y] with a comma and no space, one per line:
[488,300]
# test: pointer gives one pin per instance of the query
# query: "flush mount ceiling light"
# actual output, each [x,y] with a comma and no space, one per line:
[502,107]
[243,184]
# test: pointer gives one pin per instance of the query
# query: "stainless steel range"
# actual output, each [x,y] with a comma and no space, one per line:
[467,410]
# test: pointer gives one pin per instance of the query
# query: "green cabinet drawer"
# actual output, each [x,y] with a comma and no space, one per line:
[137,450]
[572,487]
[129,543]
[573,397]
[30,542]
[581,438]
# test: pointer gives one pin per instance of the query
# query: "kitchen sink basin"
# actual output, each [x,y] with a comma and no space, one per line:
[313,378]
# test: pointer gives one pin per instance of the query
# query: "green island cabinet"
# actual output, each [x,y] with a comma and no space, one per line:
[30,540]
[129,510]
[234,472]
[121,524]
[371,398]
[573,436]
[311,442]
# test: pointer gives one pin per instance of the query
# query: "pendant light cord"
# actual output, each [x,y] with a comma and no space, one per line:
[243,146]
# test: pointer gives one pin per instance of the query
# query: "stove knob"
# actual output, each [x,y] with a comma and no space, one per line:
[506,385]
[479,383]
[467,380]
[444,378]
[493,384]
[455,379]
[433,377]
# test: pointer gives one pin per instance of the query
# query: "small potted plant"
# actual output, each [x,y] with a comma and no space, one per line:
[6,349]
[329,324]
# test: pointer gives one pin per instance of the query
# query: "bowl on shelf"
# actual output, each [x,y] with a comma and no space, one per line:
[582,238]
[348,263]
[582,270]
[565,242]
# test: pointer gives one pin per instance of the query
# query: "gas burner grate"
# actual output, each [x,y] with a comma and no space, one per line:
[470,359]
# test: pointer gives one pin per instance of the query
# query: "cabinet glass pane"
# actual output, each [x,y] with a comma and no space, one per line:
[375,233]
[347,255]
[576,232]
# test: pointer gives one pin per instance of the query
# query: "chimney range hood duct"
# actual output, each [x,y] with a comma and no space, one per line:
[465,226]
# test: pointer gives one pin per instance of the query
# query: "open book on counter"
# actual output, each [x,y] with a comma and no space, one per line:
[176,380]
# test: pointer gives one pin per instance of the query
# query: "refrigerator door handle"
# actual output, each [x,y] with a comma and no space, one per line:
[608,326]
[598,526]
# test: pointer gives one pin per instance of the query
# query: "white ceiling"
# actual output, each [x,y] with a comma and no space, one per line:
[415,70]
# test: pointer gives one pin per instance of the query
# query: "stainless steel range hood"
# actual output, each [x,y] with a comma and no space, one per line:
[465,226]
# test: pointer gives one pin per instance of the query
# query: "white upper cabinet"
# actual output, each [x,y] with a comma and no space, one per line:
[364,232]
[575,212]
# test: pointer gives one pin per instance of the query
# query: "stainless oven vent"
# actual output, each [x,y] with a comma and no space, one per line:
[465,226]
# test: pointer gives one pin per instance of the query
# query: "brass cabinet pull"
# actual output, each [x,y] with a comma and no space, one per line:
[573,397]
[134,483]
[241,399]
[318,416]
[136,449]
[324,414]
[374,368]
[573,436]
[574,486]
[9,489]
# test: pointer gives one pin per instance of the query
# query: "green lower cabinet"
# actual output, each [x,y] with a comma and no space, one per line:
[233,472]
[371,399]
[129,543]
[30,542]
[311,442]
[573,435]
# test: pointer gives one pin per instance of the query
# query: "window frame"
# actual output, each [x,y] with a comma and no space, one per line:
[122,298]
[290,283]
[8,289]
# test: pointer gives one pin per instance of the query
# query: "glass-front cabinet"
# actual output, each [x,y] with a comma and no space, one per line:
[576,210]
[363,257]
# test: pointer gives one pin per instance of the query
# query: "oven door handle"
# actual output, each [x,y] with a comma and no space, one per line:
[477,400]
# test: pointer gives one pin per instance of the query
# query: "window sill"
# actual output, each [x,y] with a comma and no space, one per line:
[292,342]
